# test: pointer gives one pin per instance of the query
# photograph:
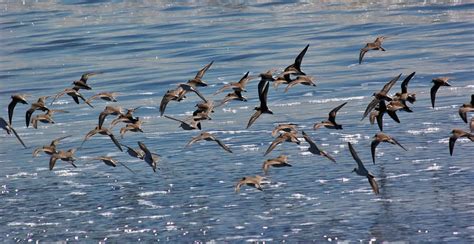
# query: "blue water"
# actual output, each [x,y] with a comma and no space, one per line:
[144,49]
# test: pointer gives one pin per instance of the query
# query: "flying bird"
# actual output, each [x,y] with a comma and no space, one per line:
[381,95]
[331,122]
[188,124]
[236,86]
[253,181]
[106,96]
[437,83]
[197,81]
[376,45]
[151,158]
[280,161]
[46,117]
[313,148]
[208,137]
[466,108]
[67,156]
[295,68]
[262,96]
[382,137]
[362,171]
[38,105]
[82,83]
[458,133]
[404,95]
[102,131]
[284,137]
[303,80]
[49,149]
[74,93]
[111,162]
[284,128]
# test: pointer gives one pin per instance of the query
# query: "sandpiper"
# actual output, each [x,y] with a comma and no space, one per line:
[38,105]
[208,137]
[284,128]
[102,131]
[111,162]
[188,124]
[262,96]
[49,149]
[331,122]
[134,152]
[280,161]
[457,133]
[376,45]
[313,148]
[151,158]
[381,95]
[382,137]
[236,86]
[437,83]
[236,95]
[466,108]
[46,117]
[197,81]
[109,110]
[284,137]
[67,156]
[133,127]
[295,68]
[253,181]
[362,171]
[82,83]
[74,93]
[404,95]
[106,96]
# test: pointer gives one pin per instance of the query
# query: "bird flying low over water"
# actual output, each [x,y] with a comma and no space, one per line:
[49,149]
[150,158]
[313,148]
[280,161]
[262,96]
[284,128]
[253,181]
[17,98]
[9,129]
[471,126]
[46,118]
[362,171]
[376,45]
[74,93]
[466,108]
[295,68]
[106,96]
[102,131]
[404,96]
[197,81]
[67,156]
[437,83]
[236,86]
[38,105]
[82,83]
[458,133]
[236,95]
[188,124]
[284,137]
[111,162]
[208,137]
[134,152]
[382,137]
[381,95]
[303,80]
[331,122]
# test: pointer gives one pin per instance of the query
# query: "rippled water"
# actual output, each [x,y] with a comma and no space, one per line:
[144,49]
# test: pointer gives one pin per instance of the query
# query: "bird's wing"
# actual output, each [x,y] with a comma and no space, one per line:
[57,140]
[253,118]
[452,141]
[28,114]
[370,107]
[398,143]
[390,84]
[299,58]
[332,114]
[405,82]
[52,162]
[112,137]
[463,115]
[373,183]
[11,107]
[313,148]
[373,146]
[57,96]
[263,97]
[356,157]
[393,115]
[194,139]
[362,53]
[224,146]
[175,119]
[201,72]
[272,146]
[243,81]
[433,91]
[18,137]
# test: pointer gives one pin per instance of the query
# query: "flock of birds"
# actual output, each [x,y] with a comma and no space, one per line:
[291,76]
